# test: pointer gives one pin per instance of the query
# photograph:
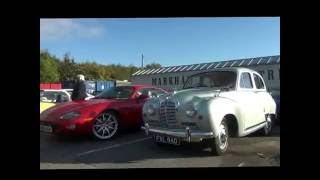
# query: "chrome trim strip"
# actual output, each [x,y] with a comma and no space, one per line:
[182,134]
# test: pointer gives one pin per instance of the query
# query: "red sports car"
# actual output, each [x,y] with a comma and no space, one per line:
[103,116]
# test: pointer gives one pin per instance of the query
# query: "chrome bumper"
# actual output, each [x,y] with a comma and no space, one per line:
[186,134]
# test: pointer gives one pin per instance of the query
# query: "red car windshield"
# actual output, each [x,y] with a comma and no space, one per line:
[121,92]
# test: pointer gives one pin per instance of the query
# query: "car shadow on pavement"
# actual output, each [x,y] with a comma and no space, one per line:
[275,132]
[145,150]
[129,153]
[82,138]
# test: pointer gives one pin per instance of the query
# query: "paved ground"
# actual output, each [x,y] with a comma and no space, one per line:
[134,150]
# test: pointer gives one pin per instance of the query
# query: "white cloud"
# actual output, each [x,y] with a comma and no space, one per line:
[61,29]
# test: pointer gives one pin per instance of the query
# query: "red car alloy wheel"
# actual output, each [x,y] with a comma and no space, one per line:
[105,126]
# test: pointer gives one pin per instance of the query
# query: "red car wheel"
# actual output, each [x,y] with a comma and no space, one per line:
[105,125]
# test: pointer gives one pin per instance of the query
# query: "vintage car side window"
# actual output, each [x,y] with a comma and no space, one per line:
[245,81]
[258,81]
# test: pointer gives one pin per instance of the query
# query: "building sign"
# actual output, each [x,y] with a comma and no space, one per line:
[270,74]
[165,81]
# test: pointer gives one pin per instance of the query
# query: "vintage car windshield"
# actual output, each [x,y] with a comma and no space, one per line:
[120,92]
[215,79]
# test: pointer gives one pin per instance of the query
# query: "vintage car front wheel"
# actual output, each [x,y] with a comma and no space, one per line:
[270,118]
[220,144]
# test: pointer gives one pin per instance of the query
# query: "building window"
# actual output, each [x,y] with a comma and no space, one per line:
[176,80]
[154,81]
[164,81]
[261,73]
[270,74]
[183,80]
[159,81]
[170,81]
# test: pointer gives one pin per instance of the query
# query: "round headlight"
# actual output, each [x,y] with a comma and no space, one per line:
[70,115]
[151,110]
[190,110]
[191,113]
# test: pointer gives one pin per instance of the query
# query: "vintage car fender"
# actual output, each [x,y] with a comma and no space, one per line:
[271,106]
[218,108]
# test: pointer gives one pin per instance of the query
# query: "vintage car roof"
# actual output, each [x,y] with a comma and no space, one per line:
[235,69]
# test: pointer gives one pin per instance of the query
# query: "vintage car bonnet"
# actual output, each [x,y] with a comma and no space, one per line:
[194,94]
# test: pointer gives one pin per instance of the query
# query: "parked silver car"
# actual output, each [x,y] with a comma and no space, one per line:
[212,106]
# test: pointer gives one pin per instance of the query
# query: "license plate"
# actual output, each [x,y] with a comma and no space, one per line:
[46,128]
[167,140]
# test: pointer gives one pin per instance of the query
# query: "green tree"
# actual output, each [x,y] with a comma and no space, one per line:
[153,65]
[48,67]
[53,69]
[67,68]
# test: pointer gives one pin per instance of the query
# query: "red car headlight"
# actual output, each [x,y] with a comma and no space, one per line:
[70,115]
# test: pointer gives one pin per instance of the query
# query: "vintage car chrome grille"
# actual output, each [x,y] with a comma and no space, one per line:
[168,112]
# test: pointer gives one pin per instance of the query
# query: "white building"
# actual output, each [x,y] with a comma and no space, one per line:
[123,83]
[173,77]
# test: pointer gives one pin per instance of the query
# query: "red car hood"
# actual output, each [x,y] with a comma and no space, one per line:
[63,108]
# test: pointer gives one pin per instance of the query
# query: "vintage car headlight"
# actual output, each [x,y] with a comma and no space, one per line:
[191,113]
[70,115]
[151,110]
[190,110]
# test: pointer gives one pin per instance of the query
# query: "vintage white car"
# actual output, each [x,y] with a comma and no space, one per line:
[212,106]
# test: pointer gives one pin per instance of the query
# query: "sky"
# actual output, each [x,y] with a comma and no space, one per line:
[167,41]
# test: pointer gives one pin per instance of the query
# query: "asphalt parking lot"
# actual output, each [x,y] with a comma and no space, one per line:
[135,150]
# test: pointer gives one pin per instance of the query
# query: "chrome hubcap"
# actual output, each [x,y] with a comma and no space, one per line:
[268,125]
[223,137]
[105,126]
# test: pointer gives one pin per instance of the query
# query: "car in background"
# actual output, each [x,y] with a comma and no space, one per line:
[50,97]
[102,116]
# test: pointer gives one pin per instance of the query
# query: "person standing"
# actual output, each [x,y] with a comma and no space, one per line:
[79,90]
